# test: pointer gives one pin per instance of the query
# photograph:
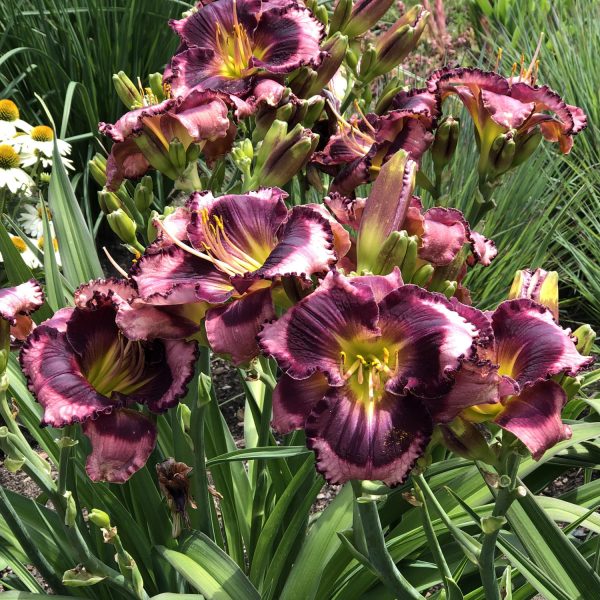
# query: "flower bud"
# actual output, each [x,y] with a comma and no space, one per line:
[122,224]
[445,142]
[367,61]
[586,337]
[321,14]
[365,14]
[173,480]
[341,14]
[335,47]
[282,154]
[177,155]
[157,155]
[539,285]
[389,92]
[151,232]
[142,198]
[467,440]
[126,90]
[397,42]
[314,109]
[156,85]
[108,201]
[99,518]
[526,146]
[502,154]
[70,510]
[97,168]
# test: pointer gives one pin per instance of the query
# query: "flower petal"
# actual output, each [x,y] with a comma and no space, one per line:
[307,337]
[286,39]
[530,346]
[484,250]
[506,111]
[534,416]
[380,285]
[435,339]
[294,399]
[352,442]
[232,329]
[445,233]
[305,247]
[122,442]
[55,377]
[173,276]
[87,295]
[20,300]
[125,161]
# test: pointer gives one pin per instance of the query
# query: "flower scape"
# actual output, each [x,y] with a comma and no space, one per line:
[292,244]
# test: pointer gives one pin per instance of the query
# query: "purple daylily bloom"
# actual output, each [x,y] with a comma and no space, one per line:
[227,253]
[84,368]
[16,304]
[231,45]
[365,361]
[499,105]
[142,136]
[512,378]
[356,153]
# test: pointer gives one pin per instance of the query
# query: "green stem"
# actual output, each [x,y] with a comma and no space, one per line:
[504,498]
[379,557]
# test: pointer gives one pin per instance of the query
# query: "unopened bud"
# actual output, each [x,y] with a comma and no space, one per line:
[502,153]
[70,510]
[142,198]
[177,155]
[122,224]
[97,168]
[108,202]
[156,85]
[367,61]
[126,90]
[526,146]
[586,337]
[365,14]
[335,47]
[467,440]
[151,231]
[99,518]
[341,14]
[397,42]
[445,142]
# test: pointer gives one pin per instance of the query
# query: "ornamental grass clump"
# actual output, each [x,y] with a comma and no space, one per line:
[282,200]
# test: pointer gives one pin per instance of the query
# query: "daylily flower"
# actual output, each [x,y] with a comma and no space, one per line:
[230,45]
[16,304]
[143,136]
[227,253]
[365,360]
[511,379]
[357,152]
[83,367]
[509,114]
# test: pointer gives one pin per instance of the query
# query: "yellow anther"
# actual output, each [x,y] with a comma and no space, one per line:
[513,70]
[386,355]
[362,359]
[498,60]
[343,357]
[360,376]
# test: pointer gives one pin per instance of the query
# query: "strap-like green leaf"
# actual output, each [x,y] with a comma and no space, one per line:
[208,569]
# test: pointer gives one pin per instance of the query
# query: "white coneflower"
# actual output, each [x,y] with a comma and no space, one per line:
[39,144]
[10,121]
[40,245]
[11,175]
[29,258]
[32,222]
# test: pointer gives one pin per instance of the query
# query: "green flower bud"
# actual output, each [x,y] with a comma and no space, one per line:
[445,142]
[335,47]
[586,337]
[109,202]
[126,90]
[142,198]
[341,14]
[156,85]
[122,224]
[177,155]
[526,146]
[70,510]
[99,518]
[322,14]
[97,168]
[365,14]
[367,61]
[502,154]
[151,232]
[468,440]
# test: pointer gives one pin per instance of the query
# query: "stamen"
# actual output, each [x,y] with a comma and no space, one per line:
[114,263]
[223,266]
[498,60]
[534,64]
[363,116]
[513,70]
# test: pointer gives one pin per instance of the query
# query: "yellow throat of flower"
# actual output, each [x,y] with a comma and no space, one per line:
[234,49]
[8,110]
[367,367]
[42,133]
[9,158]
